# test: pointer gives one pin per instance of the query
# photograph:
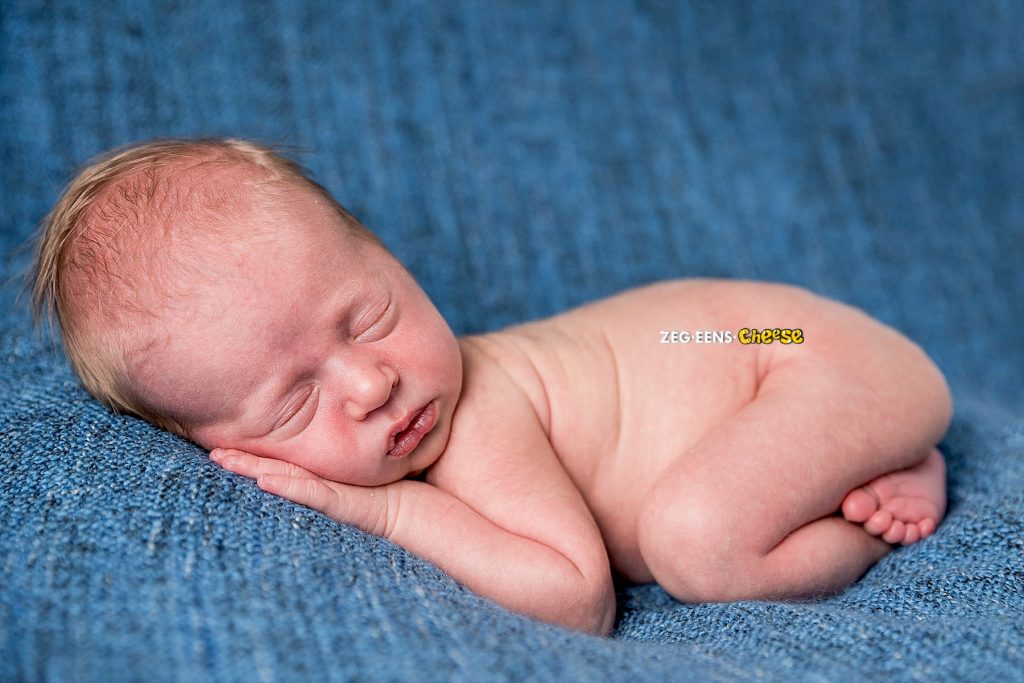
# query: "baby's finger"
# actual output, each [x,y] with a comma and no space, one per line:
[313,493]
[249,465]
[363,507]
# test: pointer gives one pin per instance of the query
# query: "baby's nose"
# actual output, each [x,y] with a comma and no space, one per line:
[370,389]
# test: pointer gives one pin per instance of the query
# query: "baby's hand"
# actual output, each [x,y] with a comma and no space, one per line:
[365,507]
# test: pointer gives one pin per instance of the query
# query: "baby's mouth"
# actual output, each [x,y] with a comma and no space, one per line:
[406,439]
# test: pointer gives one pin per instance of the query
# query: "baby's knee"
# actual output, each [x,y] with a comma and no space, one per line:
[692,551]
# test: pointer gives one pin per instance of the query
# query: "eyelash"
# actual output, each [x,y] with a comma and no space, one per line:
[312,395]
[377,321]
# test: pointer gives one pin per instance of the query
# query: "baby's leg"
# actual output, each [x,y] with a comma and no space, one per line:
[747,512]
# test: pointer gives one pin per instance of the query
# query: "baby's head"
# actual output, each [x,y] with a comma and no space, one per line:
[213,289]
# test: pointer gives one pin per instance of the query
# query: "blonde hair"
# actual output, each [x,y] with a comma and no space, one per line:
[121,188]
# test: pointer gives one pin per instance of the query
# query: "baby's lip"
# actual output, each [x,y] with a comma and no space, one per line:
[402,425]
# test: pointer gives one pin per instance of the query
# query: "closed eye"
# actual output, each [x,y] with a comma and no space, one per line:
[310,400]
[373,331]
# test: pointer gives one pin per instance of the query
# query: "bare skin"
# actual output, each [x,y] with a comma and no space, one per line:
[563,449]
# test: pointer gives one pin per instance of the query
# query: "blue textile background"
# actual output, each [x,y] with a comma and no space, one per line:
[521,158]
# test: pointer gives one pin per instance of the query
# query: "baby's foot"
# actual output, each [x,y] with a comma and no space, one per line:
[904,506]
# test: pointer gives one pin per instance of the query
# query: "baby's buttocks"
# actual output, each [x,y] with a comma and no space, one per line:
[626,384]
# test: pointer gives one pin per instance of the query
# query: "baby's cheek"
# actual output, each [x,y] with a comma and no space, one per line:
[445,357]
[332,457]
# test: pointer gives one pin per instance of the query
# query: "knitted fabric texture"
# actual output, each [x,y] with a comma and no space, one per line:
[522,158]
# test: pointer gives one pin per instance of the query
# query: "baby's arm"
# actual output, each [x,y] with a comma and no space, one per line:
[504,520]
[523,574]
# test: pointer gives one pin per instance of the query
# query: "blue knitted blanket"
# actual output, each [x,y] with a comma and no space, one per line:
[522,158]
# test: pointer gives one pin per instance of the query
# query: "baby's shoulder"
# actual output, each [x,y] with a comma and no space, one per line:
[508,364]
[494,414]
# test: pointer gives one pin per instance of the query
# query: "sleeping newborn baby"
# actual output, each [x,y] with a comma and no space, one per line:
[728,439]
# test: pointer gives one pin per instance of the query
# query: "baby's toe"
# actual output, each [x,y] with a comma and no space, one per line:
[879,523]
[895,532]
[912,535]
[927,526]
[859,505]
